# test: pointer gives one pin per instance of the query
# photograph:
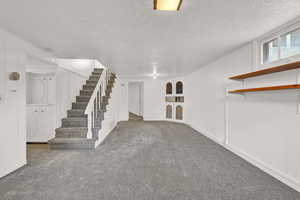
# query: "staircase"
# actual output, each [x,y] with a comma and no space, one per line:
[74,132]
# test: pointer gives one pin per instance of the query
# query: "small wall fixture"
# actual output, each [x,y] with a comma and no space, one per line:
[167,4]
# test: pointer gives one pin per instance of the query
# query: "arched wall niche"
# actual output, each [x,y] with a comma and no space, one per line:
[179,112]
[169,112]
[179,87]
[169,88]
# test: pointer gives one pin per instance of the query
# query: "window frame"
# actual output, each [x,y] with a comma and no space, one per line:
[277,34]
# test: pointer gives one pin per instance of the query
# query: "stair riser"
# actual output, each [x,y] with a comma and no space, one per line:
[98,70]
[91,82]
[76,114]
[67,123]
[82,98]
[86,93]
[94,78]
[79,106]
[72,146]
[71,134]
[96,73]
[88,87]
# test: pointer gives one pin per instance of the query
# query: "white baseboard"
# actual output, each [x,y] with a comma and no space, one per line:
[207,134]
[15,168]
[283,177]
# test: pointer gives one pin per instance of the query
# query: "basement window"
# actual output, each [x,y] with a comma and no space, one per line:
[284,45]
[270,51]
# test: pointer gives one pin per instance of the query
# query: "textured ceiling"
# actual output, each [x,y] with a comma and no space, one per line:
[134,40]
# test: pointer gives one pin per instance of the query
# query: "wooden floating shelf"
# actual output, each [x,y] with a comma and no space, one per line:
[280,87]
[281,68]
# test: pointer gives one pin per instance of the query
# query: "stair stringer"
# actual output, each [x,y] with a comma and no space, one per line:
[111,116]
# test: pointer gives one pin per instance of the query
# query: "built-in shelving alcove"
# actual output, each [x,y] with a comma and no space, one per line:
[174,101]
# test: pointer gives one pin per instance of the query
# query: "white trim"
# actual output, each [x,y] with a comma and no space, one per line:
[207,134]
[281,176]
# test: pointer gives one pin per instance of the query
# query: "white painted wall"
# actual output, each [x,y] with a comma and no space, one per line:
[13,53]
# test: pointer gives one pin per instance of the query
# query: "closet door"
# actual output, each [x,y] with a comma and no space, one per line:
[46,123]
[37,89]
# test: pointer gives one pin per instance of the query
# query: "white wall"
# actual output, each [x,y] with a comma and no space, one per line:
[13,53]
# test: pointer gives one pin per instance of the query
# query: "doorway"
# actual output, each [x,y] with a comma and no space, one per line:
[135,100]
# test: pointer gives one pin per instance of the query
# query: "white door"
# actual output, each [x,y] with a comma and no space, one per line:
[40,123]
[135,100]
[46,124]
[36,89]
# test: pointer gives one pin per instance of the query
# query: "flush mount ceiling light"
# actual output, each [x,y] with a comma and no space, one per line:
[167,4]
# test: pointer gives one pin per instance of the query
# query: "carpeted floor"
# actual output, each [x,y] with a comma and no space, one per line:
[143,161]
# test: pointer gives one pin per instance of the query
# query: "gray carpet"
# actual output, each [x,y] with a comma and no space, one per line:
[143,161]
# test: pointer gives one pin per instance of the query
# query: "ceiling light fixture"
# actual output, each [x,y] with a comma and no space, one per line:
[167,4]
[154,75]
